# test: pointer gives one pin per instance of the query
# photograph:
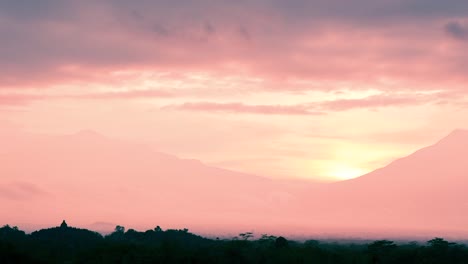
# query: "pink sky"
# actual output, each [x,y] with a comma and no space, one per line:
[321,90]
[225,115]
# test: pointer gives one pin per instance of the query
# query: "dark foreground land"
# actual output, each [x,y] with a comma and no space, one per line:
[72,245]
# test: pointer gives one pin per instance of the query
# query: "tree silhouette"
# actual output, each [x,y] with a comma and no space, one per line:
[64,224]
[246,235]
[381,250]
[66,244]
[119,229]
[439,243]
[281,242]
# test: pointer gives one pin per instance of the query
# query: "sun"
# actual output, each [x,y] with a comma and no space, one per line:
[345,172]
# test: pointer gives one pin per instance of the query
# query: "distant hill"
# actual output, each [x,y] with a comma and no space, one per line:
[89,178]
[425,192]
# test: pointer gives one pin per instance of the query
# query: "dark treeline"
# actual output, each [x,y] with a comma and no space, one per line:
[66,244]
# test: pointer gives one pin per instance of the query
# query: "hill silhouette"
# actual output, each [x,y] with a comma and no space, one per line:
[425,191]
[87,174]
[93,179]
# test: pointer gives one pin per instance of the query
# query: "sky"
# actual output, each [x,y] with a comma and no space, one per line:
[309,89]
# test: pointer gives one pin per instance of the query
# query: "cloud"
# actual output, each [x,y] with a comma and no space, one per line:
[353,9]
[209,28]
[20,191]
[382,100]
[457,30]
[131,94]
[246,109]
[377,101]
[314,108]
[12,99]
[353,41]
[18,99]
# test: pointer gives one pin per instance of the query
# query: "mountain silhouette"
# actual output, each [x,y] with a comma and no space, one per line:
[425,192]
[89,178]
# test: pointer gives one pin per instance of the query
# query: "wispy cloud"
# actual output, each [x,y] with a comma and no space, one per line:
[20,191]
[245,108]
[131,94]
[377,101]
[18,99]
[313,108]
[24,98]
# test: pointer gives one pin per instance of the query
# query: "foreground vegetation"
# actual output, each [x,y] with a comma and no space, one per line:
[72,245]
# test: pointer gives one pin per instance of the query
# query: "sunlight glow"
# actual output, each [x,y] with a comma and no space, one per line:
[345,172]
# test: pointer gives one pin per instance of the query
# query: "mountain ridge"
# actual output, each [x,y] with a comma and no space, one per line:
[130,184]
[450,142]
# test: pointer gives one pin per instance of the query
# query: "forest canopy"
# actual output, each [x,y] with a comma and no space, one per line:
[65,244]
